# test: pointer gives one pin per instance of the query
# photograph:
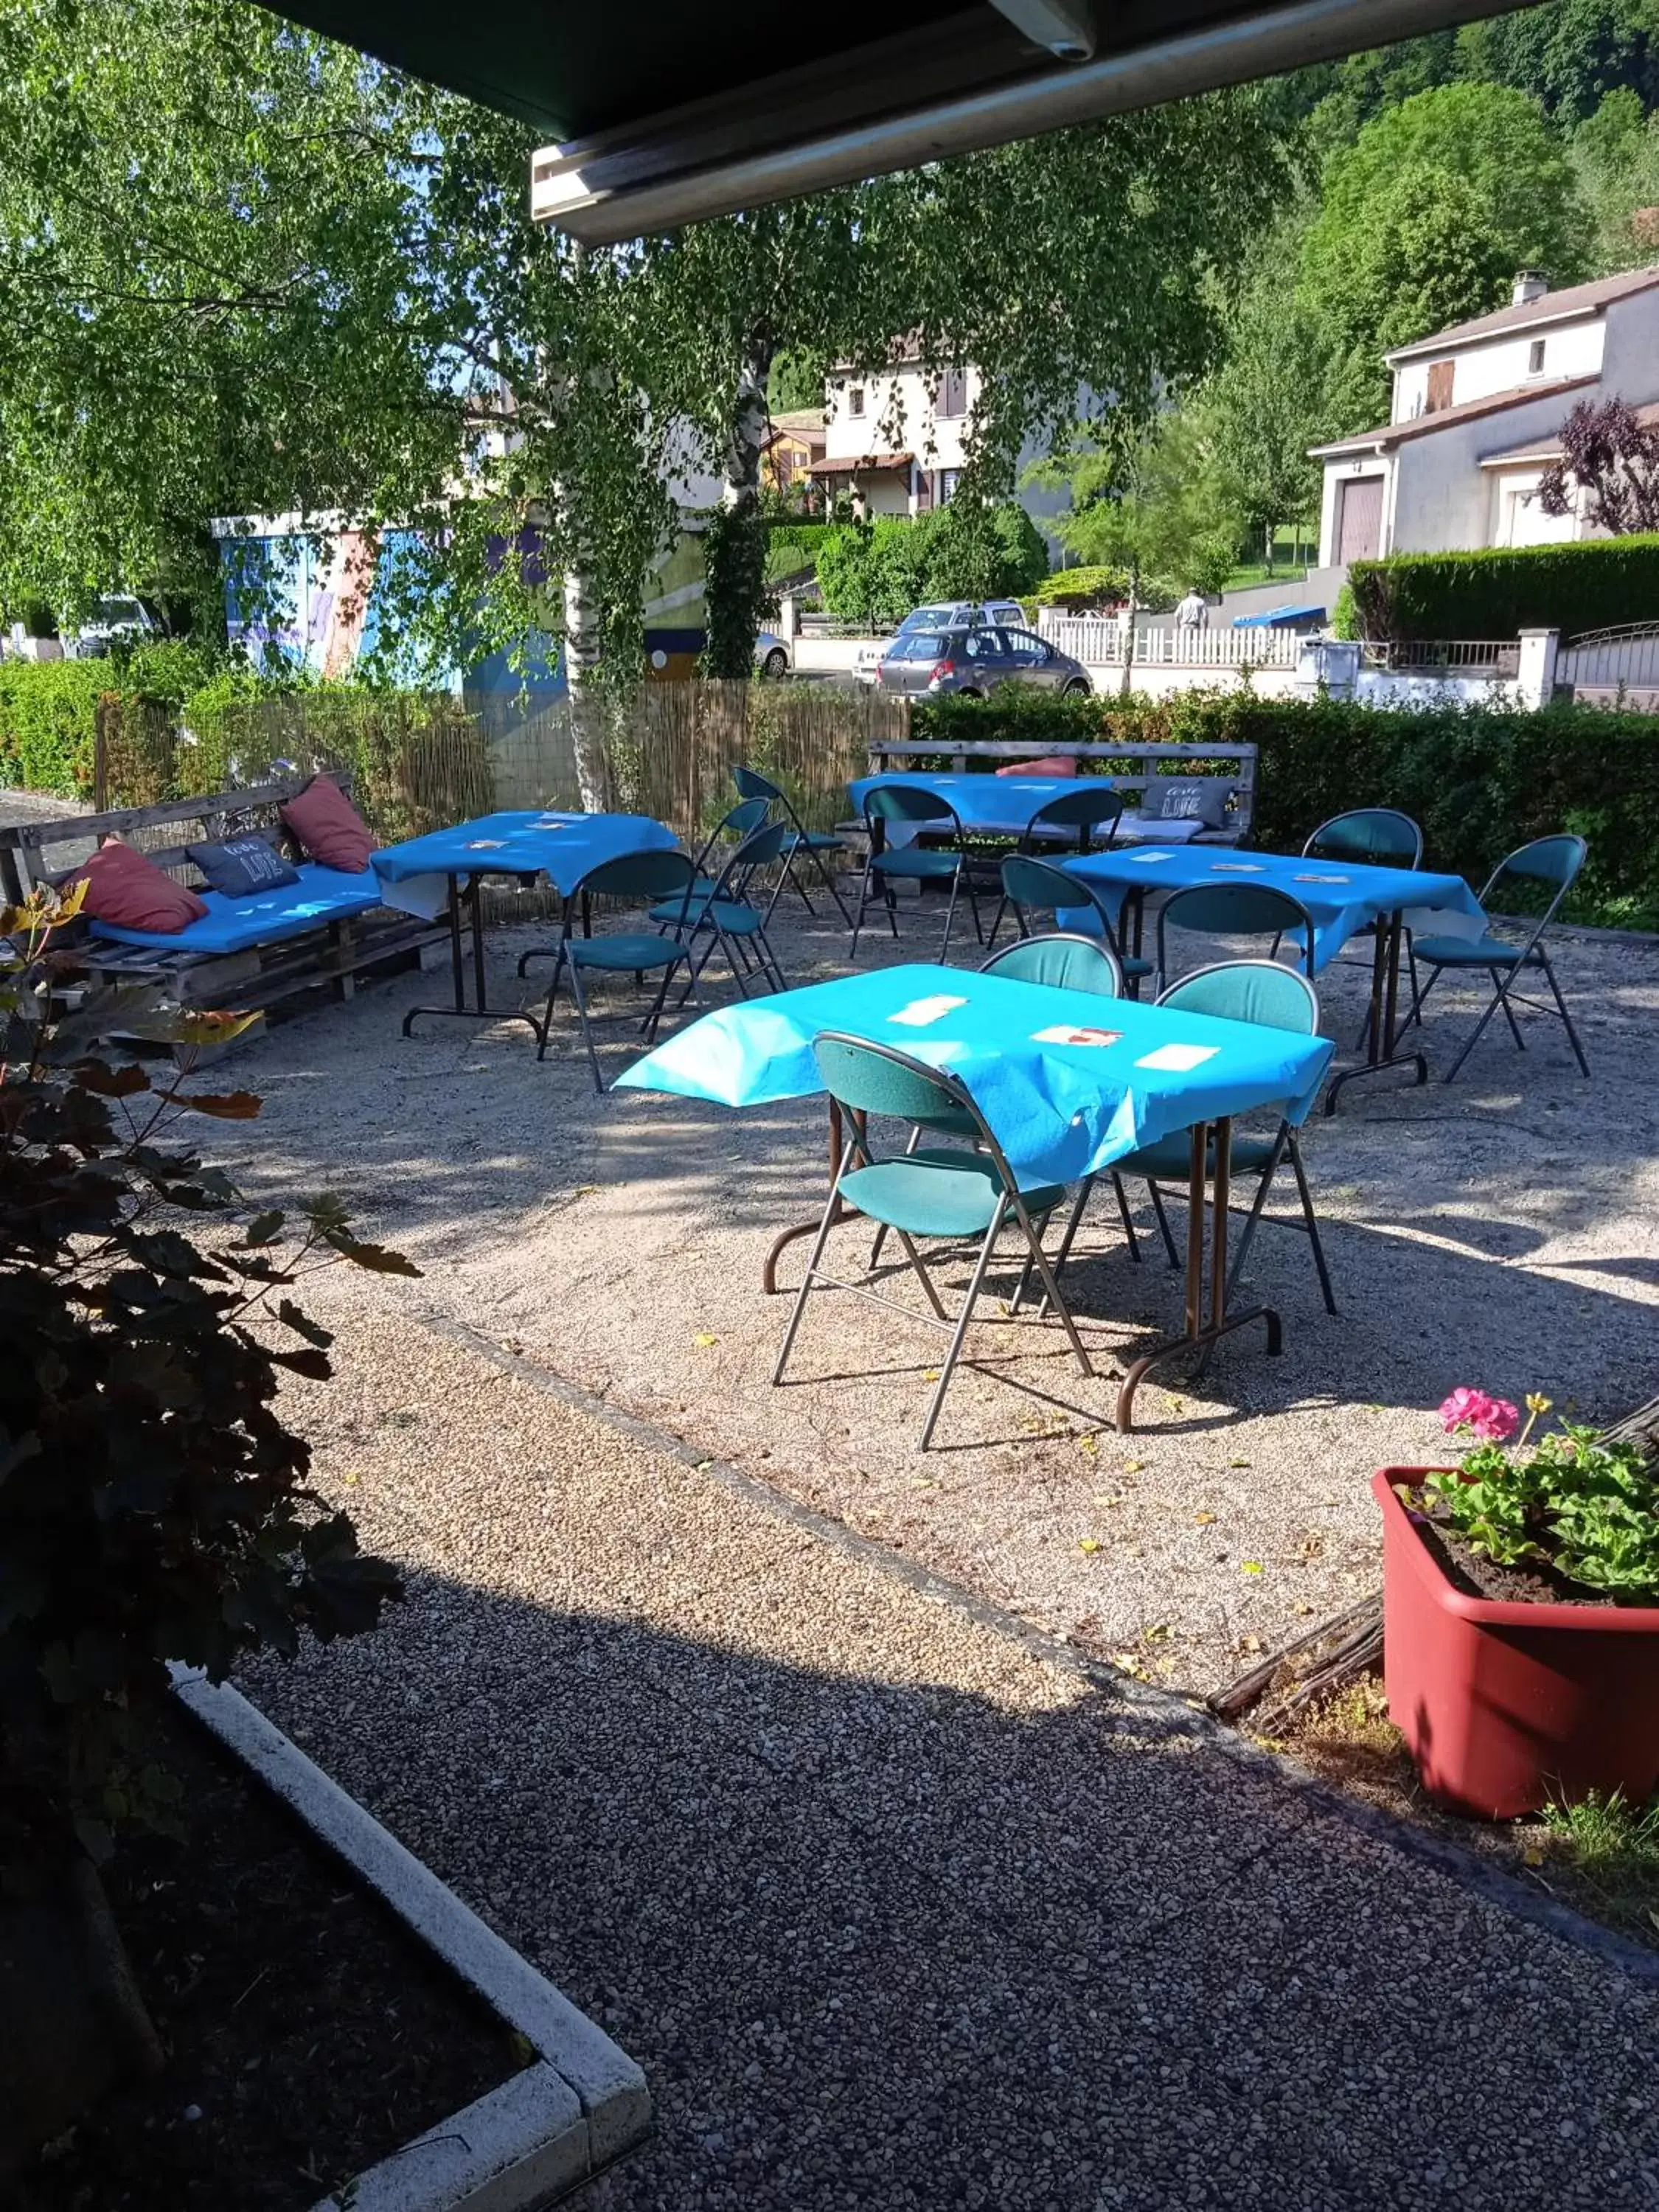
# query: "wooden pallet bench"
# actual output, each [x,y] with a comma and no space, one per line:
[346,939]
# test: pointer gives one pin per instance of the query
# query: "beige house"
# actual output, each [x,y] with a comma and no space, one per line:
[896,441]
[794,448]
[1476,417]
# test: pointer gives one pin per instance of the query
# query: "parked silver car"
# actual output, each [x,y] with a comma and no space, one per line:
[969,661]
[772,656]
[945,614]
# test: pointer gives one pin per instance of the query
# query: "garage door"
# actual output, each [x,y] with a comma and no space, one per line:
[1360,519]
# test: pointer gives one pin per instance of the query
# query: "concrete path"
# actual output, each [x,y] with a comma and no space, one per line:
[895,1907]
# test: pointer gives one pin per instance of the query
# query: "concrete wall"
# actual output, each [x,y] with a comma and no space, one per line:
[1442,497]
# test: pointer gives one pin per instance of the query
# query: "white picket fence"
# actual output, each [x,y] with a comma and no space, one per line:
[1098,642]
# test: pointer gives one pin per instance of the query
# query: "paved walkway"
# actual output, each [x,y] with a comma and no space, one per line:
[895,1910]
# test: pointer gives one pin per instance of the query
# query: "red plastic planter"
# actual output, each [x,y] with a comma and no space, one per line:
[1506,1706]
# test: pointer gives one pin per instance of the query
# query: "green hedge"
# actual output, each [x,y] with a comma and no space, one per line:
[793,545]
[48,721]
[1481,781]
[1498,590]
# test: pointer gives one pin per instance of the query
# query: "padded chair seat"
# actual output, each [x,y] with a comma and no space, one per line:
[1474,952]
[627,949]
[911,860]
[269,917]
[929,1194]
[1170,1159]
[818,840]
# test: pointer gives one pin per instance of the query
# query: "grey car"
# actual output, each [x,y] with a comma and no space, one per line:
[943,614]
[930,663]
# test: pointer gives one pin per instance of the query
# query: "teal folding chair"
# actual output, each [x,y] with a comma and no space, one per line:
[1555,862]
[1067,961]
[939,1195]
[728,921]
[1373,837]
[810,844]
[1381,836]
[1235,910]
[1084,810]
[739,824]
[886,864]
[645,876]
[1032,885]
[1277,997]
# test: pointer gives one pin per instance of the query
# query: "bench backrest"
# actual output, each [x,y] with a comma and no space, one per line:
[47,850]
[1150,762]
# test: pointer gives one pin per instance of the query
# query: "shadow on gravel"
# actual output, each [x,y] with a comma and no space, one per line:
[884,1943]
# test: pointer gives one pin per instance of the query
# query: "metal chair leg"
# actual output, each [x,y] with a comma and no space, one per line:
[923,1275]
[1164,1225]
[807,1281]
[1242,1252]
[546,1030]
[1480,1032]
[949,913]
[959,1332]
[864,900]
[1509,1011]
[973,908]
[1561,1007]
[1420,997]
[1032,1232]
[1126,1217]
[580,997]
[1308,1215]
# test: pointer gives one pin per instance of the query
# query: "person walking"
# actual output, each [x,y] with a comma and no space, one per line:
[1194,612]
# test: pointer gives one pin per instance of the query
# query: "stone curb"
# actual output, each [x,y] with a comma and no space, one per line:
[1154,1708]
[547,2129]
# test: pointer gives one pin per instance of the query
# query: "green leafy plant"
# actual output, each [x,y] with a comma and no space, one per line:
[154,1505]
[1588,1510]
[736,597]
[877,572]
[1084,588]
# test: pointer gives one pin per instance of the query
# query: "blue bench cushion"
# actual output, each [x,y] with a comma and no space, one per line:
[233,925]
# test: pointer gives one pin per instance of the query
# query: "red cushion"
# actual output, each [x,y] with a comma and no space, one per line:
[126,887]
[1053,765]
[329,827]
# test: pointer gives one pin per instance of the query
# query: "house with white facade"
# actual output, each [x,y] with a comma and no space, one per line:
[898,441]
[1477,413]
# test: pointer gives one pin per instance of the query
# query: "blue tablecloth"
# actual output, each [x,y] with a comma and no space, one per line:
[1068,1081]
[563,847]
[1002,805]
[1341,897]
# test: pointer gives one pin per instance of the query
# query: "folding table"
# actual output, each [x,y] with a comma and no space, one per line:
[1068,1082]
[427,873]
[1342,898]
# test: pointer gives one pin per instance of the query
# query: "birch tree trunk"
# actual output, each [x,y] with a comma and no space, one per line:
[1127,681]
[589,708]
[735,586]
[750,418]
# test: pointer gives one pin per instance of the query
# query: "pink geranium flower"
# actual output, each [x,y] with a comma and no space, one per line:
[1493,1420]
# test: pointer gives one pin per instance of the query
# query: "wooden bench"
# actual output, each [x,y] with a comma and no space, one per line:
[1185,761]
[256,976]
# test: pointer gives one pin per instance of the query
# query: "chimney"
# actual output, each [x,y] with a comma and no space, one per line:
[1530,284]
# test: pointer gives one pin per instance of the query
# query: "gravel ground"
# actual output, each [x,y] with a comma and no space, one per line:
[1503,1232]
[894,1910]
